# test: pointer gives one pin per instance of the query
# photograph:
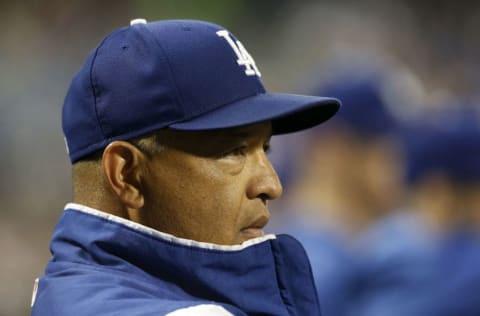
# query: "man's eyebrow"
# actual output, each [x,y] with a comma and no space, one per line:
[239,134]
[246,133]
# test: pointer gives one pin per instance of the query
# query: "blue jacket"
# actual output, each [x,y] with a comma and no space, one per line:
[106,265]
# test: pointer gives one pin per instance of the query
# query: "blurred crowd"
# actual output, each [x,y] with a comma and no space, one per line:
[388,209]
[385,197]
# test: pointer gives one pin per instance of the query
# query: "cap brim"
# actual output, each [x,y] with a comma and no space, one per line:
[287,112]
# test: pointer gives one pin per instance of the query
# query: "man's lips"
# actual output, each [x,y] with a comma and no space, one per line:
[255,229]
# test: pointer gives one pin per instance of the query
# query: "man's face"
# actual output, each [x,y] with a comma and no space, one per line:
[211,186]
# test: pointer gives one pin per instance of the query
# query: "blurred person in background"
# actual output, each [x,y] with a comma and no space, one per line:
[358,158]
[352,177]
[447,200]
[443,172]
[425,258]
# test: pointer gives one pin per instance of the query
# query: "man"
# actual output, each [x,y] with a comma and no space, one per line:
[167,126]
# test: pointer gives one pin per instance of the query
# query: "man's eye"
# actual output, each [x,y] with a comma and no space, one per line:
[237,151]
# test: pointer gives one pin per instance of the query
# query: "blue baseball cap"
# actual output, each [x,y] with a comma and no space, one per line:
[447,145]
[180,74]
[364,110]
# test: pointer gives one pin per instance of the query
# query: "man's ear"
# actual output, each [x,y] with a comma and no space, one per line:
[122,166]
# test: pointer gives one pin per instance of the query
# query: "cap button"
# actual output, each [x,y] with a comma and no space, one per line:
[138,21]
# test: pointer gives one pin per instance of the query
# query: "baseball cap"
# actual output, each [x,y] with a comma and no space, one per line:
[364,110]
[185,75]
[446,143]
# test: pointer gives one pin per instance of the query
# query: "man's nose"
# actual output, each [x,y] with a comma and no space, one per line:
[264,182]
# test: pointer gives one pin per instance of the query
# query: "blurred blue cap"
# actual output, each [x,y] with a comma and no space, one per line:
[180,74]
[363,111]
[449,145]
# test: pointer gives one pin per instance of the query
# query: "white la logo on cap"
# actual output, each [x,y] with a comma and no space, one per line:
[244,58]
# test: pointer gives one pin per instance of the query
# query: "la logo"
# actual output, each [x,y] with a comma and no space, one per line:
[243,57]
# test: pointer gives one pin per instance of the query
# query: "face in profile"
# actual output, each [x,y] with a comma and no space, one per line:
[211,186]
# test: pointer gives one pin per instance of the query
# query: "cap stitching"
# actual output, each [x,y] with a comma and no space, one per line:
[171,77]
[94,85]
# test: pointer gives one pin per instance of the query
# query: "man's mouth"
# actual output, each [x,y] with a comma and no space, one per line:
[255,229]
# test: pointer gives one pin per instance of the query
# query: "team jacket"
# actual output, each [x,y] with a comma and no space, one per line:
[105,265]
